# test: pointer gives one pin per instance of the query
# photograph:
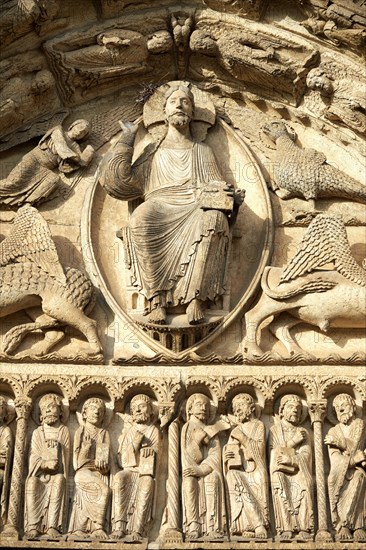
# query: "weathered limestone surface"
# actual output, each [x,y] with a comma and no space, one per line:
[183,274]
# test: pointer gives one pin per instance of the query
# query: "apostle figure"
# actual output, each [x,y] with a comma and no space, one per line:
[92,465]
[46,484]
[347,477]
[246,473]
[291,472]
[134,485]
[202,482]
[6,452]
[177,240]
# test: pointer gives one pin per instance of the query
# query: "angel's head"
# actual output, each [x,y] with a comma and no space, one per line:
[318,80]
[79,129]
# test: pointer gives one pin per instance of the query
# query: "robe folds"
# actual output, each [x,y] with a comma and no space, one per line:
[347,480]
[292,486]
[45,493]
[134,485]
[203,497]
[248,486]
[37,175]
[91,497]
[176,250]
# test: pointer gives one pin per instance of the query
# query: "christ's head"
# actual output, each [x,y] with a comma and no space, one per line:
[179,106]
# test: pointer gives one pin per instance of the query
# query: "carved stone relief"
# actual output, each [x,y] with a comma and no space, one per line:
[45,486]
[209,230]
[98,58]
[92,462]
[347,478]
[38,174]
[203,499]
[185,299]
[221,489]
[28,97]
[134,485]
[291,472]
[246,54]
[34,280]
[245,472]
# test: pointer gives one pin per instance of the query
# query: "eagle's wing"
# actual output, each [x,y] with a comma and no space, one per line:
[325,242]
[30,240]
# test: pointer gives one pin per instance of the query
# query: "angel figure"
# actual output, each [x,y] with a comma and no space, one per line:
[32,277]
[38,174]
[343,98]
[322,285]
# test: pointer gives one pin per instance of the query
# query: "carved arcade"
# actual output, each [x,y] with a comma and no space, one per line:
[182,189]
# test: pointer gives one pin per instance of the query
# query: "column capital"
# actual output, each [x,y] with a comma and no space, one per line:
[317,410]
[23,407]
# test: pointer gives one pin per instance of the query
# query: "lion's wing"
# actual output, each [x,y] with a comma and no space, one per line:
[30,240]
[325,242]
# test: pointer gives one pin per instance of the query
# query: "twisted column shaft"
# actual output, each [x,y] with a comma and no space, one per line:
[22,407]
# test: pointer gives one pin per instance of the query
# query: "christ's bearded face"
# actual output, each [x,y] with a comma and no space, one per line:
[179,109]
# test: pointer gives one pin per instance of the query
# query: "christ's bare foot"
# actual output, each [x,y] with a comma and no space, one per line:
[359,535]
[344,534]
[33,534]
[135,536]
[195,312]
[157,316]
[99,534]
[260,532]
[304,535]
[117,534]
[53,533]
[286,535]
[193,532]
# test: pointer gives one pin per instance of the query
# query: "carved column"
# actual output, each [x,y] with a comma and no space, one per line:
[22,407]
[317,410]
[173,532]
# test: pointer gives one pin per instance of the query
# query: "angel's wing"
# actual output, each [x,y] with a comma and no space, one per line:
[105,125]
[30,240]
[325,242]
